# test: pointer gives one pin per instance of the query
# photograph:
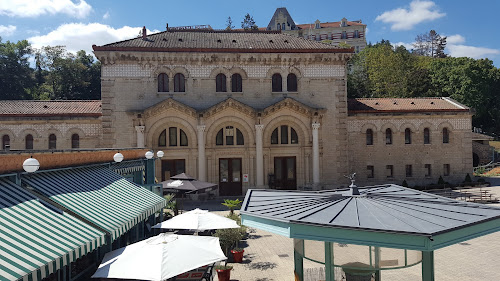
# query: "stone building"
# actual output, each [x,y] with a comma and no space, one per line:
[258,109]
[351,33]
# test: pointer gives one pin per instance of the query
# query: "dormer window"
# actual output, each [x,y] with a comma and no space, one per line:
[343,23]
[317,24]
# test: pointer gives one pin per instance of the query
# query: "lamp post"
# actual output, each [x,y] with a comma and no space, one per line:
[160,154]
[31,165]
[150,167]
[118,157]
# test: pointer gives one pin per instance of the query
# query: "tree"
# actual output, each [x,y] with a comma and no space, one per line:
[229,24]
[15,72]
[248,23]
[430,44]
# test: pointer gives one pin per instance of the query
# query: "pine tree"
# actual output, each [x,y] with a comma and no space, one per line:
[430,44]
[229,24]
[248,23]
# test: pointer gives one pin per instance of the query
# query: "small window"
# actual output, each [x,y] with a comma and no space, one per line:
[229,132]
[428,171]
[279,27]
[371,171]
[162,139]
[291,83]
[446,169]
[274,136]
[277,87]
[388,136]
[219,139]
[172,136]
[369,137]
[409,171]
[356,34]
[184,139]
[75,141]
[239,138]
[283,26]
[179,83]
[52,141]
[220,83]
[446,135]
[5,142]
[427,136]
[284,134]
[28,142]
[226,136]
[294,138]
[317,25]
[344,35]
[162,82]
[389,171]
[236,83]
[407,136]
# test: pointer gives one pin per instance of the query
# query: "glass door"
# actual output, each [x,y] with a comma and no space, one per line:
[230,177]
[285,173]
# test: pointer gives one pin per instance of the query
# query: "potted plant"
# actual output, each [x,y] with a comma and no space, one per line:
[237,254]
[232,204]
[223,272]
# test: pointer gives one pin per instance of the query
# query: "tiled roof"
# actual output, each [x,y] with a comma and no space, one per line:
[50,108]
[328,24]
[381,105]
[222,41]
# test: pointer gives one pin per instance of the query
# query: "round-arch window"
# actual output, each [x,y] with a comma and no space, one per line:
[75,141]
[220,83]
[28,142]
[284,135]
[52,141]
[162,82]
[5,142]
[227,135]
[276,80]
[291,83]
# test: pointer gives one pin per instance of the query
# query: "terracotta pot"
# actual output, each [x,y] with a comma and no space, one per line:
[224,274]
[237,255]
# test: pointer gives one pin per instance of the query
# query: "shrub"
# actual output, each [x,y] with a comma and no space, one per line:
[232,204]
[223,267]
[441,180]
[468,178]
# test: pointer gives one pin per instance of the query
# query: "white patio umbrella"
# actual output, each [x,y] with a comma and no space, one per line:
[160,257]
[198,220]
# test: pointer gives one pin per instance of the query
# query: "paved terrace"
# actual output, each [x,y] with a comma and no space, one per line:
[269,257]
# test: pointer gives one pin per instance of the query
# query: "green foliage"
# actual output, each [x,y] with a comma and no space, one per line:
[468,178]
[341,44]
[229,24]
[430,44]
[248,23]
[405,184]
[232,204]
[15,73]
[223,267]
[229,238]
[171,204]
[441,180]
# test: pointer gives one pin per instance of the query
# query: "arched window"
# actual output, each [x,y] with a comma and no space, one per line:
[369,137]
[162,82]
[236,83]
[28,142]
[75,141]
[176,137]
[283,26]
[284,135]
[407,136]
[220,83]
[446,135]
[162,139]
[277,87]
[388,136]
[179,83]
[279,27]
[52,141]
[226,136]
[427,136]
[291,83]
[5,142]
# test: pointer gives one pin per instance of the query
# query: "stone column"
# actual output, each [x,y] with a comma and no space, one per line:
[202,169]
[140,135]
[315,166]
[259,156]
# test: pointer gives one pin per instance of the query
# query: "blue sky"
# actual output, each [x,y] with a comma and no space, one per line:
[471,26]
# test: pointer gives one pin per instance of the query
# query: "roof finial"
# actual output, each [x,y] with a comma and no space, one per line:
[354,188]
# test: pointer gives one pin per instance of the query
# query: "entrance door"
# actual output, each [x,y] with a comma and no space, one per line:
[229,176]
[285,173]
[170,168]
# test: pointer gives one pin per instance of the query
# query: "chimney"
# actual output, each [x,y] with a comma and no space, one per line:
[167,26]
[144,33]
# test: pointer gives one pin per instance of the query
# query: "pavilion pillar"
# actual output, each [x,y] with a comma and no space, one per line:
[202,169]
[150,171]
[298,258]
[315,166]
[329,268]
[140,135]
[427,265]
[259,155]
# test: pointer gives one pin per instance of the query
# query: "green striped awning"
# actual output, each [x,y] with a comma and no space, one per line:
[35,239]
[127,167]
[99,195]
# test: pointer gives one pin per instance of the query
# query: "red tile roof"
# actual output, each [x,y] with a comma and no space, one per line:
[33,108]
[222,41]
[328,24]
[386,105]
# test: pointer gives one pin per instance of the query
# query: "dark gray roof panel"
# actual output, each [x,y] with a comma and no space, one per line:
[388,208]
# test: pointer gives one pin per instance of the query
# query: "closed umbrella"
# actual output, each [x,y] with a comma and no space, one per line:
[160,257]
[199,220]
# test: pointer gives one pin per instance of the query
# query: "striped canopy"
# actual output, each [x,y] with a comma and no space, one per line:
[37,239]
[99,195]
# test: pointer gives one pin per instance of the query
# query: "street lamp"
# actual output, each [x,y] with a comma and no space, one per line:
[118,157]
[31,165]
[160,154]
[149,155]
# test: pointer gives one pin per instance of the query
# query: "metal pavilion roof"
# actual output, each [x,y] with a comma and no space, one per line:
[379,215]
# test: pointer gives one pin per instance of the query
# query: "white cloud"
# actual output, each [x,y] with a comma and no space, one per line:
[455,39]
[79,36]
[471,51]
[30,8]
[7,30]
[105,16]
[406,19]
[408,46]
